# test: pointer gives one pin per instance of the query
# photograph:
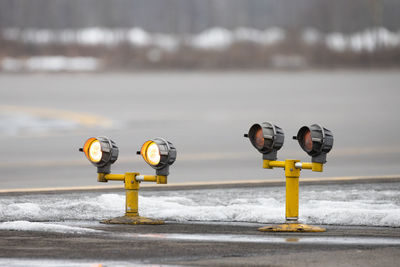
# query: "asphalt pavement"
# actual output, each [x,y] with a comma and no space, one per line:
[45,118]
[198,244]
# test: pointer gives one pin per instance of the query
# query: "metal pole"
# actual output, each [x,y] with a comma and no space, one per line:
[292,190]
[132,195]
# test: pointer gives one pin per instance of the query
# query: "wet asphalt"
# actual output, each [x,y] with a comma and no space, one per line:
[152,245]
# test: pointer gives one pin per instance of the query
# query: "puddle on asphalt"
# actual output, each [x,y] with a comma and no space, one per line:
[17,262]
[325,240]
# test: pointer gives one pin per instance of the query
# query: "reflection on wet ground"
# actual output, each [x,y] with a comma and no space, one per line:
[325,240]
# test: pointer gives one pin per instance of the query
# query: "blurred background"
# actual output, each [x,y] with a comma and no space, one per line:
[89,35]
[199,73]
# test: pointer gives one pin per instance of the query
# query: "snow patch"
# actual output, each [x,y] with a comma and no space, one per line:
[367,40]
[139,37]
[51,64]
[213,38]
[44,227]
[369,204]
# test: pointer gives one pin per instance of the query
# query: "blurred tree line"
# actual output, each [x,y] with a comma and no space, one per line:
[193,16]
[185,17]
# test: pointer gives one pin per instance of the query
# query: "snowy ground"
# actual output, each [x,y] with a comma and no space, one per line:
[362,204]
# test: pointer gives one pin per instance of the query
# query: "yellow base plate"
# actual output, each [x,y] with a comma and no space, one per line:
[132,220]
[291,227]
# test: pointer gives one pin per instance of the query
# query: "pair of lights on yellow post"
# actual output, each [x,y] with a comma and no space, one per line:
[266,137]
[315,140]
[158,153]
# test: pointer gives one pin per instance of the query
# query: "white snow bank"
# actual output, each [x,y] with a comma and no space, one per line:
[367,40]
[64,207]
[44,227]
[222,38]
[51,63]
[213,38]
[92,36]
[341,207]
[370,204]
[270,36]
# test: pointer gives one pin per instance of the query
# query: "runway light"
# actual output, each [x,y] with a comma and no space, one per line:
[267,138]
[159,154]
[316,140]
[101,151]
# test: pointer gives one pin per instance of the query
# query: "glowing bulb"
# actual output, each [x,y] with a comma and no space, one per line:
[308,141]
[259,138]
[95,152]
[153,154]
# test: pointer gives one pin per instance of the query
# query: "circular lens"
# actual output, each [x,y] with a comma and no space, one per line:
[95,152]
[307,141]
[259,139]
[153,154]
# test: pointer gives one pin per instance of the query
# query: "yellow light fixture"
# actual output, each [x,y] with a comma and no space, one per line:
[267,138]
[159,154]
[101,152]
[316,141]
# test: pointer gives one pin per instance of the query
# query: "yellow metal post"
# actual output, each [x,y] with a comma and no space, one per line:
[292,199]
[132,199]
[292,174]
[132,202]
[132,195]
[292,190]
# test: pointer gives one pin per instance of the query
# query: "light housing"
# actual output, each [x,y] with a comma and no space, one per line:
[101,152]
[159,154]
[267,138]
[316,141]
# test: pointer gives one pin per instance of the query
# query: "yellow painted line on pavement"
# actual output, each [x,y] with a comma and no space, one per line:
[217,184]
[85,119]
